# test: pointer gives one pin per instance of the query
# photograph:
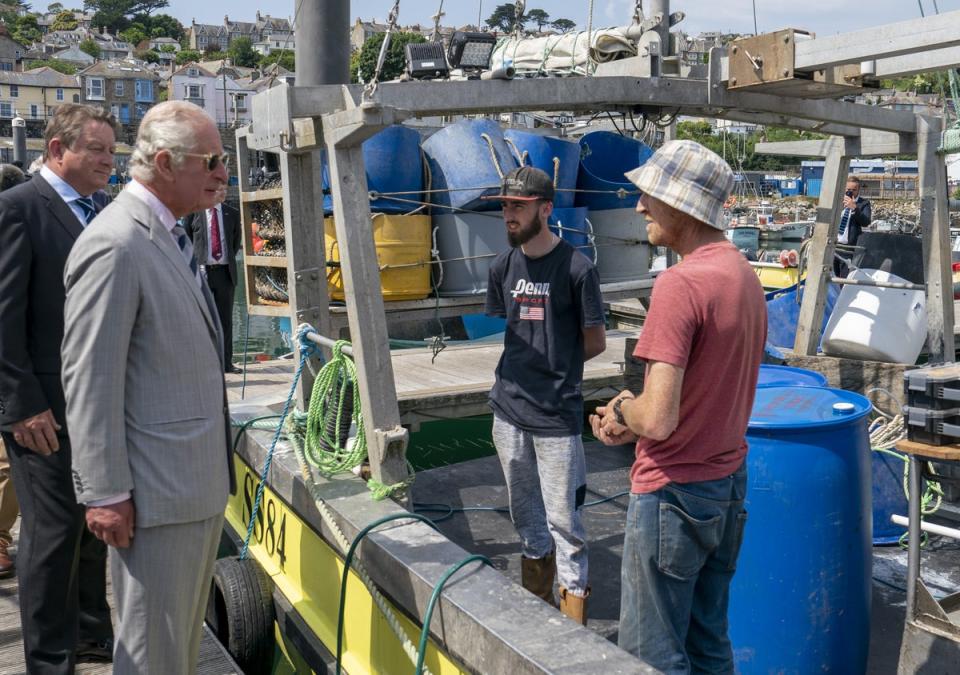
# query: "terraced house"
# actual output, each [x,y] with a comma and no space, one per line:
[35,94]
[126,88]
[207,37]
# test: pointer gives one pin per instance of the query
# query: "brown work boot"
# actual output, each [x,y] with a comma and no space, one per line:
[574,606]
[6,564]
[537,575]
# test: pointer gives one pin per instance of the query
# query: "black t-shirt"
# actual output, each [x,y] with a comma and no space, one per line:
[547,302]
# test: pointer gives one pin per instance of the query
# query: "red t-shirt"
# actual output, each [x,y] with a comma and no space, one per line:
[708,316]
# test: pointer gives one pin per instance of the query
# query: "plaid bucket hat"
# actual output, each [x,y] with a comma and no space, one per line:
[688,177]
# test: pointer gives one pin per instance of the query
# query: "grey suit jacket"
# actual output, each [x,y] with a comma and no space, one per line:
[142,371]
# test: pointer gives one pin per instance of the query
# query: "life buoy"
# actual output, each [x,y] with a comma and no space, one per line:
[240,612]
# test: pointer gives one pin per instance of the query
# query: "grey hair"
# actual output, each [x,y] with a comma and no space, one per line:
[172,126]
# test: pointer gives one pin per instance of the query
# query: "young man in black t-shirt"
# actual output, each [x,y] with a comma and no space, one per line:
[550,295]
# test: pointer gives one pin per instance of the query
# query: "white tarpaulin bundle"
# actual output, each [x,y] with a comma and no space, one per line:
[562,54]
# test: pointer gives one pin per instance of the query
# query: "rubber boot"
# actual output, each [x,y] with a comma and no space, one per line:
[537,575]
[574,606]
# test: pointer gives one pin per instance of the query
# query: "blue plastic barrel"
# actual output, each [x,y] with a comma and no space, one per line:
[783,313]
[888,498]
[392,161]
[604,158]
[462,167]
[800,598]
[784,376]
[541,151]
[571,225]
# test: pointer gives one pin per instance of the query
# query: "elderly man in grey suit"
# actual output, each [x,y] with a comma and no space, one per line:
[145,394]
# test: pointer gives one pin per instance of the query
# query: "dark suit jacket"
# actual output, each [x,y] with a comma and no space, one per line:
[37,231]
[195,225]
[859,220]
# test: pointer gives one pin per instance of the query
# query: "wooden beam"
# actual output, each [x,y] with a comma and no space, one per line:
[869,143]
[822,246]
[360,268]
[935,223]
[306,261]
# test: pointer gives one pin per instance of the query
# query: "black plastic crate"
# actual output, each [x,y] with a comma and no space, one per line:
[933,387]
[933,427]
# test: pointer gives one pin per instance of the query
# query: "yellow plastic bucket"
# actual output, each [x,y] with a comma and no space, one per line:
[403,253]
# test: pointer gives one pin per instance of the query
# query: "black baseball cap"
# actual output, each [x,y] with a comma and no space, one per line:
[526,184]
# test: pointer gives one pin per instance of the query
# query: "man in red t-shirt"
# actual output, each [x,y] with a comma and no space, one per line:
[703,341]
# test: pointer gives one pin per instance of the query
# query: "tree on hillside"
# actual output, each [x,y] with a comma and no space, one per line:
[242,53]
[563,25]
[90,47]
[117,14]
[539,17]
[148,55]
[134,34]
[26,30]
[364,61]
[162,25]
[187,56]
[64,21]
[285,57]
[59,66]
[504,17]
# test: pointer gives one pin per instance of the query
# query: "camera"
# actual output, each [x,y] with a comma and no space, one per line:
[849,193]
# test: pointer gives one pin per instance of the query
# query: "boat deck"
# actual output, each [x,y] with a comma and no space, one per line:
[480,483]
[214,660]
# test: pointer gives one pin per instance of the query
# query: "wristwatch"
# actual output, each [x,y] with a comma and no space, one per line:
[618,411]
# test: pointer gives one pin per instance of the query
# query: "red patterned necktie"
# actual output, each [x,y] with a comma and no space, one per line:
[216,245]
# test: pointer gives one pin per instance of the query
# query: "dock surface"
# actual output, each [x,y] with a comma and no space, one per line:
[213,658]
[454,384]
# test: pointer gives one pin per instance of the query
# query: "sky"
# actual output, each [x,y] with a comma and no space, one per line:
[823,17]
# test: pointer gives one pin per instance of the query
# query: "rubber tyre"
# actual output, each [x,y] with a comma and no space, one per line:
[240,613]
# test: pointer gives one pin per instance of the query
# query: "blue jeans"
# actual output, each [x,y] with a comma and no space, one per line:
[679,555]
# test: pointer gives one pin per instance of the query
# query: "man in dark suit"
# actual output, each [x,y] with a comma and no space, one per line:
[854,219]
[61,566]
[216,239]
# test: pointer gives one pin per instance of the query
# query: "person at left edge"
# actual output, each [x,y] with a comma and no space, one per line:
[151,417]
[215,233]
[61,566]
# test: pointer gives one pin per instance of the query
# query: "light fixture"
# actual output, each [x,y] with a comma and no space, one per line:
[471,51]
[425,60]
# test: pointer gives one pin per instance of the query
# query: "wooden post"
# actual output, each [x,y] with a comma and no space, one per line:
[822,245]
[935,223]
[306,264]
[360,269]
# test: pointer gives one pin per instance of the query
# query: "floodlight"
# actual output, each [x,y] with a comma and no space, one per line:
[471,51]
[425,60]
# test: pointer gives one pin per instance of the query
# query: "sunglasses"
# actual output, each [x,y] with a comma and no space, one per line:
[212,159]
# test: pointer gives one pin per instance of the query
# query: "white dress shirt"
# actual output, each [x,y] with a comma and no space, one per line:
[66,192]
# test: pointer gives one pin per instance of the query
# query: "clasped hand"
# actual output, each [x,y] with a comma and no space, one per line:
[605,427]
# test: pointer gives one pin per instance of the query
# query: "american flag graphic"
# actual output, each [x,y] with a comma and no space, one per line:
[531,313]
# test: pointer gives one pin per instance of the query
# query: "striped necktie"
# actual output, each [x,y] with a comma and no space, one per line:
[88,207]
[844,219]
[186,249]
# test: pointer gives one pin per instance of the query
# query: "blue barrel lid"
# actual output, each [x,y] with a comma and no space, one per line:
[806,407]
[781,376]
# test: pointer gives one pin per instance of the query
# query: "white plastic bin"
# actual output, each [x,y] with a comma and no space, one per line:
[877,324]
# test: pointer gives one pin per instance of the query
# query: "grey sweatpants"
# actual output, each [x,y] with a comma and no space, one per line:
[546,483]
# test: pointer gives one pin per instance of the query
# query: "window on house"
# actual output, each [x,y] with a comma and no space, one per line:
[59,94]
[76,98]
[6,65]
[118,87]
[95,88]
[6,109]
[34,111]
[194,91]
[14,91]
[193,72]
[144,90]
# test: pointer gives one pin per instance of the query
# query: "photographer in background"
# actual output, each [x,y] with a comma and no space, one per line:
[854,218]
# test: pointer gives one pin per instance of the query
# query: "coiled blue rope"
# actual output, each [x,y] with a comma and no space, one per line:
[307,350]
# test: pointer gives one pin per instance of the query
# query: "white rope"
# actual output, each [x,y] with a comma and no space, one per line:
[589,36]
